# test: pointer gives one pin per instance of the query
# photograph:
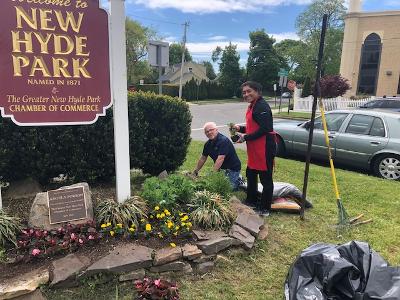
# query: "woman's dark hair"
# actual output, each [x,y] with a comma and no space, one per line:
[253,85]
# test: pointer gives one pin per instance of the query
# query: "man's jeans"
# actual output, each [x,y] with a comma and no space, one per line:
[233,178]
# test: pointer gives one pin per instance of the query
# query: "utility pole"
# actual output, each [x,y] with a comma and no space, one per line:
[183,57]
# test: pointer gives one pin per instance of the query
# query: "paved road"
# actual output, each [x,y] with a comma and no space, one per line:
[222,115]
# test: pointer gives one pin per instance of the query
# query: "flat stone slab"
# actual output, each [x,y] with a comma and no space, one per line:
[134,275]
[166,255]
[24,284]
[123,259]
[66,269]
[215,245]
[263,234]
[205,258]
[36,295]
[171,267]
[205,267]
[191,252]
[242,235]
[201,235]
[250,222]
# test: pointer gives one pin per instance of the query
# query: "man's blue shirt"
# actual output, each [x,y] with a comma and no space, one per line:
[221,145]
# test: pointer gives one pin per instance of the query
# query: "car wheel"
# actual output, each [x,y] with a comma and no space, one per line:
[281,149]
[387,166]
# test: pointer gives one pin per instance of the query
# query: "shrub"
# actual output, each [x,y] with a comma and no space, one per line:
[159,138]
[210,211]
[167,192]
[156,289]
[127,213]
[306,88]
[333,86]
[167,89]
[9,228]
[159,132]
[215,182]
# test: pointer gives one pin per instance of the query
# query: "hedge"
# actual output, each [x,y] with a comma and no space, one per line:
[159,128]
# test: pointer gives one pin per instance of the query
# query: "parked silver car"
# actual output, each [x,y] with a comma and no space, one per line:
[367,139]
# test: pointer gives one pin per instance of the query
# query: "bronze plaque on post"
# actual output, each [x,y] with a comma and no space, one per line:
[67,205]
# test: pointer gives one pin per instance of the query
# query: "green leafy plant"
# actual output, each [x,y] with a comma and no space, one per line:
[167,192]
[215,182]
[9,228]
[127,213]
[211,211]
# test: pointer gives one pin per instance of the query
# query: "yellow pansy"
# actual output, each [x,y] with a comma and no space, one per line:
[158,216]
[103,225]
[184,218]
[108,224]
[181,214]
[177,227]
[175,233]
[173,245]
[189,224]
[142,220]
[131,229]
[156,208]
[112,233]
[162,215]
[151,217]
[119,225]
[183,224]
[170,224]
[148,227]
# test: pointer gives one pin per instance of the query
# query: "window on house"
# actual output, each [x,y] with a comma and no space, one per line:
[369,65]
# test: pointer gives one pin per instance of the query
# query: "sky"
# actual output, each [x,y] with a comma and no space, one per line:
[215,23]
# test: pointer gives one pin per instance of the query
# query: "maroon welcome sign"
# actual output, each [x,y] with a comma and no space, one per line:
[54,61]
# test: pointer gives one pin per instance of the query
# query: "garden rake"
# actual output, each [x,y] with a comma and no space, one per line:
[343,217]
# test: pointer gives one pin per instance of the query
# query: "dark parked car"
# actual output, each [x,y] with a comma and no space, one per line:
[383,103]
[367,139]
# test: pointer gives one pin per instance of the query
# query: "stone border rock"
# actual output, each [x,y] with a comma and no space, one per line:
[133,261]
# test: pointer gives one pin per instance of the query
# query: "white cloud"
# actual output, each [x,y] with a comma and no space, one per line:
[217,38]
[215,6]
[242,44]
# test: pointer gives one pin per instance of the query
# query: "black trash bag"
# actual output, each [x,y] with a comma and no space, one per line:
[349,271]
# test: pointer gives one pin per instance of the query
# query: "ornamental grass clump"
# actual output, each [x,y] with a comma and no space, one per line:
[211,211]
[9,228]
[127,213]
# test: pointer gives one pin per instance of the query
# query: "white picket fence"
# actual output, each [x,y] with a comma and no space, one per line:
[305,104]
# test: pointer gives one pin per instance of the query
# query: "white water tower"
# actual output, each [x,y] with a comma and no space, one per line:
[355,6]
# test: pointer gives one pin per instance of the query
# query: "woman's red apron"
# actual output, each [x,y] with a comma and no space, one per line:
[256,156]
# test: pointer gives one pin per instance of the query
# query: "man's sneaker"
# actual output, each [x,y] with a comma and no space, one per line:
[263,212]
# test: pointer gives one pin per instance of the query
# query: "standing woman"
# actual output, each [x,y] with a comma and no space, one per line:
[260,139]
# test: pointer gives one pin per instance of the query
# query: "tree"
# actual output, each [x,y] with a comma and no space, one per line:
[137,37]
[209,70]
[308,26]
[175,54]
[306,88]
[263,62]
[333,86]
[229,68]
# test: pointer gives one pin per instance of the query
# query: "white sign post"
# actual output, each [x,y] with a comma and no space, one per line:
[120,95]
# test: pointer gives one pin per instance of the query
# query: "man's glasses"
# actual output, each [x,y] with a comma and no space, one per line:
[209,130]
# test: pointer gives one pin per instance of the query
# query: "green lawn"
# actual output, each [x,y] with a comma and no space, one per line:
[260,274]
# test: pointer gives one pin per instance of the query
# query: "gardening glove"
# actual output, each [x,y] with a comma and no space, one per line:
[241,138]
